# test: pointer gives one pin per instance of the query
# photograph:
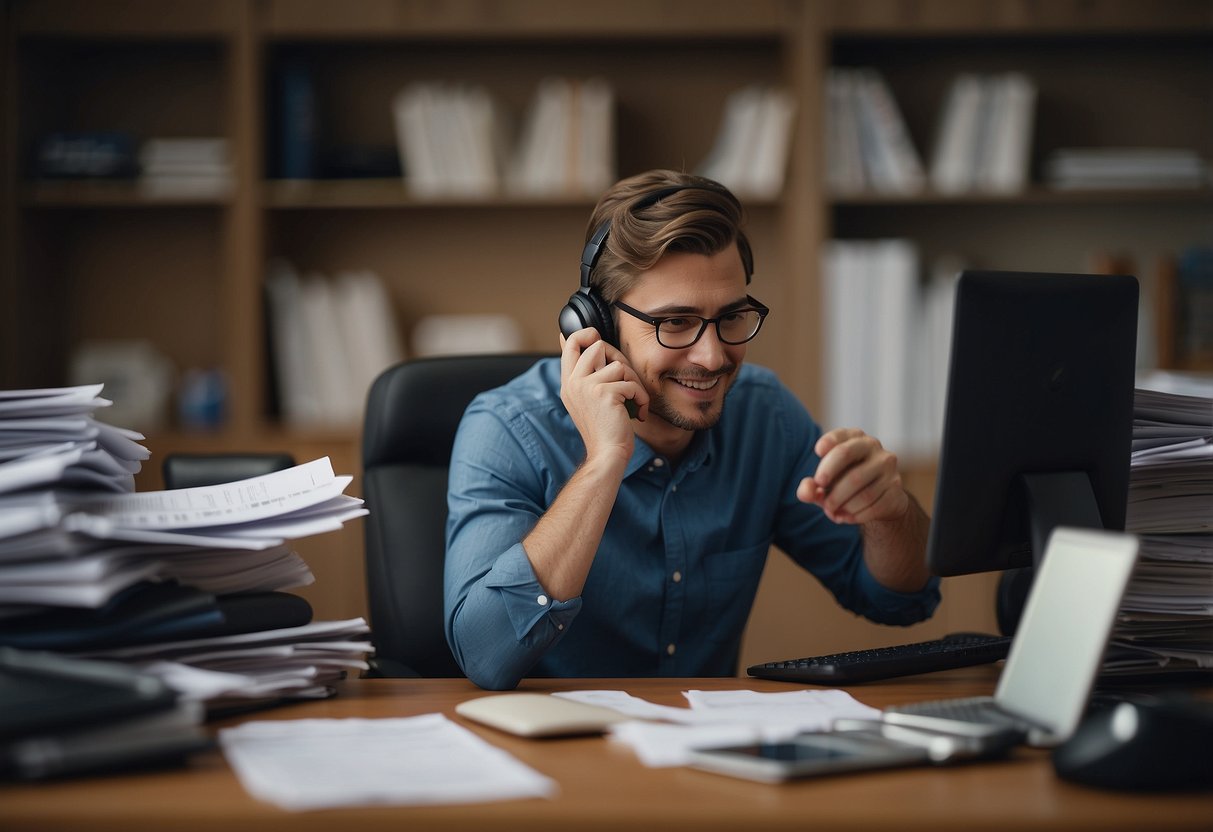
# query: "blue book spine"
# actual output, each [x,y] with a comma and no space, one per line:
[298,123]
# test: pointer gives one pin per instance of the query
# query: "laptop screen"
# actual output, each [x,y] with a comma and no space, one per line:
[1065,626]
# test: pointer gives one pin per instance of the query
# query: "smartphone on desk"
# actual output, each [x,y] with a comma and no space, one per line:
[808,755]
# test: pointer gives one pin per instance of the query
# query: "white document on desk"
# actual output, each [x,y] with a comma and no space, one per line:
[726,717]
[327,763]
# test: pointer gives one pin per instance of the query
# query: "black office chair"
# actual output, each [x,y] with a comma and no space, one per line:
[182,470]
[412,412]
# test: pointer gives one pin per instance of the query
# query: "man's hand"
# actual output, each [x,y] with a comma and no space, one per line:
[595,383]
[857,480]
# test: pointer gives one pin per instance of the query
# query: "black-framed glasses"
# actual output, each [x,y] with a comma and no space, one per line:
[677,332]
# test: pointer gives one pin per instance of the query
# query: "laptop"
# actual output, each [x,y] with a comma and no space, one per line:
[1057,650]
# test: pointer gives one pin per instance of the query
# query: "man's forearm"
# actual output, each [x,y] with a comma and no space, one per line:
[895,550]
[563,543]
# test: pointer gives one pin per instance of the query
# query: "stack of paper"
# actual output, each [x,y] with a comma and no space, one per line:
[49,437]
[1168,609]
[190,577]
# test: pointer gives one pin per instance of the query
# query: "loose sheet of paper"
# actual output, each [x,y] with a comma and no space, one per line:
[327,763]
[725,717]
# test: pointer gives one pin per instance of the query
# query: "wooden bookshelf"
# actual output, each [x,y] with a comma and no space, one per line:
[85,260]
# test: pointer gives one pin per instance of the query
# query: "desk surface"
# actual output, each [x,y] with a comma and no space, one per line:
[603,786]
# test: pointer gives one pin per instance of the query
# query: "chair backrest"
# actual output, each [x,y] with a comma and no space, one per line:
[182,470]
[412,413]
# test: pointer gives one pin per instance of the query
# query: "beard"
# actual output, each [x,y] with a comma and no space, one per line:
[708,413]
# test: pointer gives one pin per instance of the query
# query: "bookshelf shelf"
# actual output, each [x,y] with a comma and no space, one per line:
[393,193]
[89,194]
[1033,196]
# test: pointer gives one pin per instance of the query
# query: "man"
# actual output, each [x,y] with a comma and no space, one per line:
[584,542]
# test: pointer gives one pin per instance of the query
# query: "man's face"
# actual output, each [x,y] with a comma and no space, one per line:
[686,386]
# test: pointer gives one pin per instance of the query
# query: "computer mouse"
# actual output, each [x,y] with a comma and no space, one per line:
[1146,745]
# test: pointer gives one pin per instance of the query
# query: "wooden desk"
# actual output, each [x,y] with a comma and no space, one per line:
[604,787]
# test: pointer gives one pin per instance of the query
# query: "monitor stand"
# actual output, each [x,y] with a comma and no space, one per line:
[1060,498]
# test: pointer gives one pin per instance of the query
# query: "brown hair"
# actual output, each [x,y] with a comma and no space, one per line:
[702,218]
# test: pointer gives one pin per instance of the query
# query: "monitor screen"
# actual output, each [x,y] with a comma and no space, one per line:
[1038,421]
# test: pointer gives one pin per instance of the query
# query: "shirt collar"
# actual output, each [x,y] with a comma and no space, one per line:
[699,453]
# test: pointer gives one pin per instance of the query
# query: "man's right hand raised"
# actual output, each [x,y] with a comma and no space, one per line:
[596,381]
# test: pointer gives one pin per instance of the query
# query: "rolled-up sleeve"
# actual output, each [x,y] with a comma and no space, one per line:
[499,619]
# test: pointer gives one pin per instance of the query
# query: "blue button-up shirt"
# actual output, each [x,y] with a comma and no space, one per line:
[675,575]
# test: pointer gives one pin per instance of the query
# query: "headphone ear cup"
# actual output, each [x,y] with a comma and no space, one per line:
[587,309]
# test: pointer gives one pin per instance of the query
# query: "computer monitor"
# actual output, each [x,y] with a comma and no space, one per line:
[1038,421]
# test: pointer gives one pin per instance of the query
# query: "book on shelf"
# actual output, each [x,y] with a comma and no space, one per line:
[867,139]
[1094,168]
[984,139]
[455,140]
[887,337]
[185,167]
[297,122]
[750,152]
[450,139]
[330,339]
[567,142]
[87,154]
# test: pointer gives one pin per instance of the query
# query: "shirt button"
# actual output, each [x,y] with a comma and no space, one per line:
[559,626]
[658,462]
[677,576]
[669,649]
[673,488]
[542,600]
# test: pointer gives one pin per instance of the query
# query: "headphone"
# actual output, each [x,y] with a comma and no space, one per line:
[587,308]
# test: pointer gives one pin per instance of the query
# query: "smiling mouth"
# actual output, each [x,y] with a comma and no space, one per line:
[697,384]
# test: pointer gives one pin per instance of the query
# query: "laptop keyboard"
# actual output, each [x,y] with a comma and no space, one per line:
[957,650]
[980,710]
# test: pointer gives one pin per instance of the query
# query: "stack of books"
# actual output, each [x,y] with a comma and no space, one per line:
[1166,620]
[185,585]
[193,167]
[1126,167]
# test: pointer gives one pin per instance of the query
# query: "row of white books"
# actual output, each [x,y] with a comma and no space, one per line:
[868,146]
[982,142]
[750,154]
[984,139]
[330,339]
[887,341]
[455,140]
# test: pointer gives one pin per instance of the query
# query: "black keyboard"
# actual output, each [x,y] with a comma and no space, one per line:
[956,650]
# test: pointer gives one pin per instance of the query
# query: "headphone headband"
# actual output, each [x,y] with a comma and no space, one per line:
[593,248]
